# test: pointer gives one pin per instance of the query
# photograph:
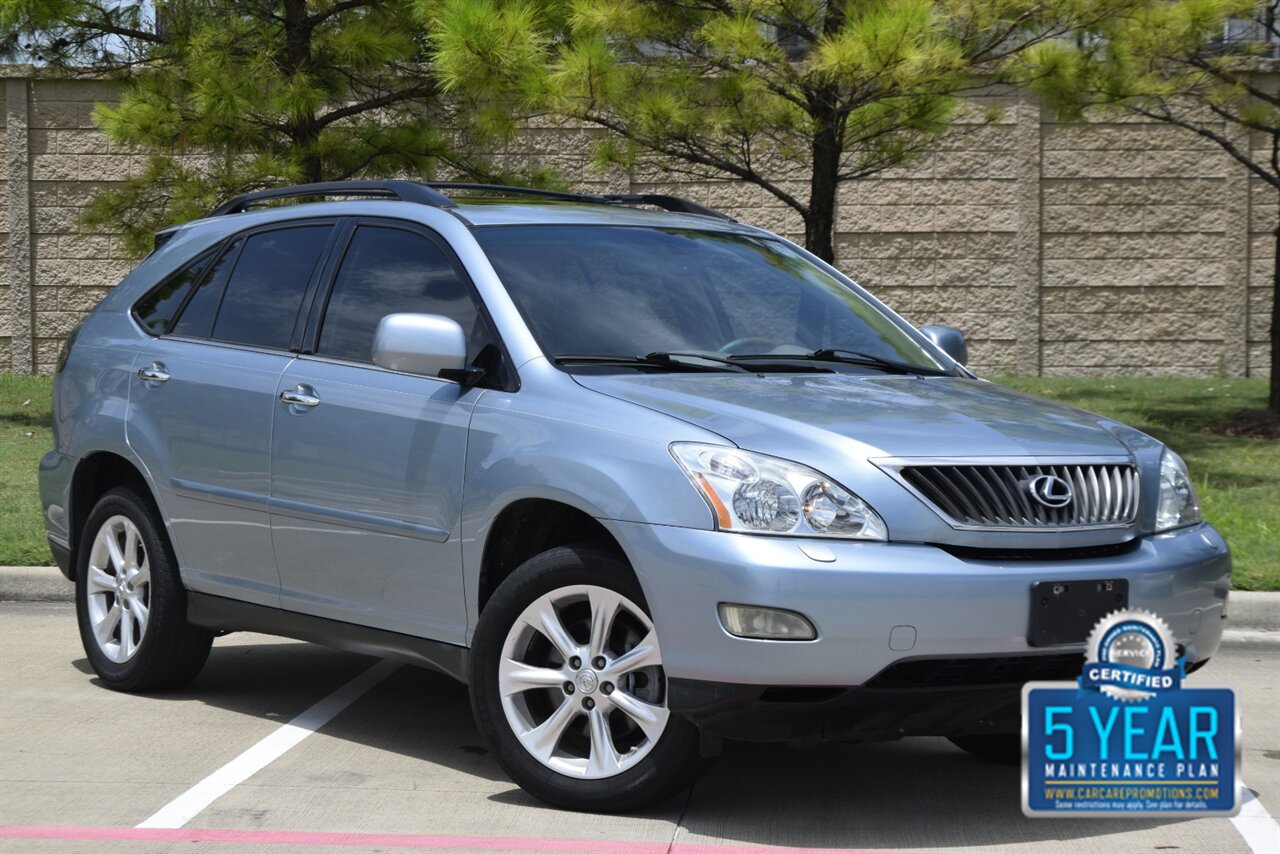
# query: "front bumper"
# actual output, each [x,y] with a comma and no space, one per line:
[944,607]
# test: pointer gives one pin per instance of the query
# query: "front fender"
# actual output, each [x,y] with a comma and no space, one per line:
[604,457]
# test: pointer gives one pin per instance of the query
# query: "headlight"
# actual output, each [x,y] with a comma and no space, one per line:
[755,494]
[1178,502]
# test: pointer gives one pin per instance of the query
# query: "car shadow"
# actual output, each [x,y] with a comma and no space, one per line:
[420,714]
[914,794]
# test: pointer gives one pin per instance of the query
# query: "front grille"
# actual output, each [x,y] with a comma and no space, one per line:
[967,672]
[1000,497]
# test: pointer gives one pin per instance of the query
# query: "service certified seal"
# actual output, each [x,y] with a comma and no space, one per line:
[1131,655]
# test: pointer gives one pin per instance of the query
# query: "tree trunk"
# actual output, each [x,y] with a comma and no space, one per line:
[820,221]
[1273,402]
[818,225]
[303,132]
[823,106]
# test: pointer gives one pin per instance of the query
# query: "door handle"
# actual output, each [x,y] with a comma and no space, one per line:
[154,373]
[300,396]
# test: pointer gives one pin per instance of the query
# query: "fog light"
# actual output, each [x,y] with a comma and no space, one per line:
[750,621]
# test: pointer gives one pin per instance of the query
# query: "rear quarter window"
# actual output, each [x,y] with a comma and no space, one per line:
[196,320]
[157,310]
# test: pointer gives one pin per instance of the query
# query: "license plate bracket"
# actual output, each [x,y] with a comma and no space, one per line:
[1064,612]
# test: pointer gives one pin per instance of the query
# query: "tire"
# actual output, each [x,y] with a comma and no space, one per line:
[592,755]
[130,603]
[1003,748]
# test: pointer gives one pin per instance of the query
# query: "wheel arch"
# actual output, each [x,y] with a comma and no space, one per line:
[95,474]
[529,526]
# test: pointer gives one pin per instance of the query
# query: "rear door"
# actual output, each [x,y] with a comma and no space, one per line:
[204,397]
[366,479]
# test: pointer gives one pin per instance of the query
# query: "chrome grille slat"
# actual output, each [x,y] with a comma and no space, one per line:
[1131,509]
[950,500]
[1108,471]
[1010,502]
[998,496]
[1095,495]
[988,495]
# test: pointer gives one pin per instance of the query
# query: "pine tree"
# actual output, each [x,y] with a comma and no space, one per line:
[772,92]
[234,95]
[1207,66]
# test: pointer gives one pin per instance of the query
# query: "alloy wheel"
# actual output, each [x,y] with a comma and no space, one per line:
[118,588]
[581,682]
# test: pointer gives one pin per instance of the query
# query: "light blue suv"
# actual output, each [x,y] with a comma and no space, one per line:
[644,479]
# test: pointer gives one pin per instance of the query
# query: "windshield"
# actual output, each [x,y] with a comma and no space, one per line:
[628,291]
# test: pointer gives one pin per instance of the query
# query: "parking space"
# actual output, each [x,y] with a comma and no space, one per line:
[402,766]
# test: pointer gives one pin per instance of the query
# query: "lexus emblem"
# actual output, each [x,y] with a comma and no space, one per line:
[1051,491]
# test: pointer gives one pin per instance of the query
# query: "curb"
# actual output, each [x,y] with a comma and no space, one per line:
[1257,611]
[1246,610]
[34,584]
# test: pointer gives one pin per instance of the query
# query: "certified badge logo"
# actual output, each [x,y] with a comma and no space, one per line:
[1131,655]
[1127,738]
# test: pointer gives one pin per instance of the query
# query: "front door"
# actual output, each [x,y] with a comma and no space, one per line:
[367,464]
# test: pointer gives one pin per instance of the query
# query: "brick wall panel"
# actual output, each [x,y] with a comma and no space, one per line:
[1259,360]
[1259,314]
[1129,265]
[1151,326]
[1135,302]
[1134,246]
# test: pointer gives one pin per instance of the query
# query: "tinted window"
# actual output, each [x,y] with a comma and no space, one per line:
[197,318]
[389,270]
[628,291]
[265,291]
[156,309]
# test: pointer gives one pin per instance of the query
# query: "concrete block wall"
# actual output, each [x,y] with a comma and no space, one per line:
[1118,248]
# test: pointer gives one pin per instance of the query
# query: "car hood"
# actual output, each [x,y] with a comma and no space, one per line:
[794,416]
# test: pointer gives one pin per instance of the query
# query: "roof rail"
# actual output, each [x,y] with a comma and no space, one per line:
[677,204]
[670,203]
[429,194]
[405,191]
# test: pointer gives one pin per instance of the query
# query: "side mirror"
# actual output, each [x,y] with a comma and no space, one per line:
[949,340]
[428,345]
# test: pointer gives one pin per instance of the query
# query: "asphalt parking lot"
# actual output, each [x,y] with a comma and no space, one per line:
[402,767]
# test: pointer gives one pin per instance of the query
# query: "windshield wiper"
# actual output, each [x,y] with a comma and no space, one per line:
[670,361]
[846,357]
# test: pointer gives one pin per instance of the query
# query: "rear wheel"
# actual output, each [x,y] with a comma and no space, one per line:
[129,601]
[1004,748]
[568,688]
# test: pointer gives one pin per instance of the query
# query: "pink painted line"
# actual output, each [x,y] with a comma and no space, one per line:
[390,840]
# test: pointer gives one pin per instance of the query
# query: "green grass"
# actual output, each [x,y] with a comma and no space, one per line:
[1238,478]
[24,437]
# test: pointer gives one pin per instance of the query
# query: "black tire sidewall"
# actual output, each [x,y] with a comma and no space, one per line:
[673,763]
[167,607]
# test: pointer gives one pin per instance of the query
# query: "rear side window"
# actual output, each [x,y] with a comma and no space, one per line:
[390,270]
[156,310]
[264,293]
[196,320]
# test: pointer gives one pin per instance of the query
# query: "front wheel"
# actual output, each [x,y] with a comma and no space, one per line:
[568,688]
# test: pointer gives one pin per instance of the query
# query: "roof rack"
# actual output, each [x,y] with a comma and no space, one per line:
[404,191]
[429,194]
[670,203]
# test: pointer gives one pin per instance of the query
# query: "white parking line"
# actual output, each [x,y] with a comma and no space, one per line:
[193,801]
[1260,831]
